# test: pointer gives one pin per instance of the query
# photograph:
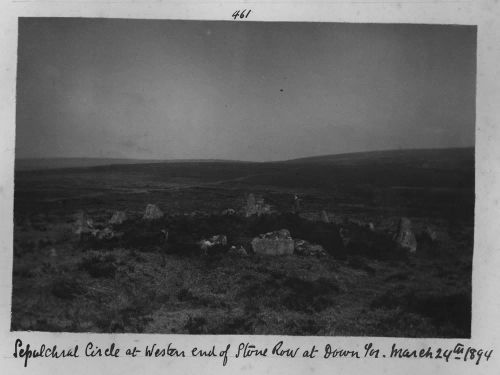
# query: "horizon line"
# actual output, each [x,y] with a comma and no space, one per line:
[159,160]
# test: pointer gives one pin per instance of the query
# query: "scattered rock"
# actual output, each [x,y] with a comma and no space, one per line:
[431,234]
[204,245]
[371,226]
[217,240]
[165,235]
[405,236]
[345,236]
[228,212]
[305,248]
[238,250]
[118,218]
[152,212]
[104,234]
[274,243]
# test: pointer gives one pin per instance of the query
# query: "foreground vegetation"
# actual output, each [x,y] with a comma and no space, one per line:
[138,284]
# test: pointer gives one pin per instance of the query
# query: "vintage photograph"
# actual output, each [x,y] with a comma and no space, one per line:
[263,178]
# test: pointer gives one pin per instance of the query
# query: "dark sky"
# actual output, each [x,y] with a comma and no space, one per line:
[240,90]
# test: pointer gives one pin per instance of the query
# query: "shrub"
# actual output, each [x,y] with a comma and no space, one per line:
[359,263]
[67,288]
[196,325]
[185,295]
[99,265]
[452,308]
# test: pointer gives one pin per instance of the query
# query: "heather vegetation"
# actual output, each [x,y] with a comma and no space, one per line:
[90,257]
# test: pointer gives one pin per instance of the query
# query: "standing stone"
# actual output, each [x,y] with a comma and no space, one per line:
[324,217]
[250,208]
[261,207]
[345,236]
[118,217]
[405,236]
[152,213]
[256,206]
[296,204]
[83,224]
[431,234]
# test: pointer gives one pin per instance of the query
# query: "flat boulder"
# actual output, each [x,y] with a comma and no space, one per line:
[152,212]
[274,243]
[405,237]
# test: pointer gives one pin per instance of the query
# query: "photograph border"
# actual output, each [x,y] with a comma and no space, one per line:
[486,308]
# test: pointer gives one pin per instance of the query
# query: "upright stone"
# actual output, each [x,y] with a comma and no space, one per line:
[152,212]
[405,236]
[250,208]
[118,217]
[83,224]
[296,204]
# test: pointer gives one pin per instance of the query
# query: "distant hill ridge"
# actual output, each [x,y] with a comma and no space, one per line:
[452,154]
[26,164]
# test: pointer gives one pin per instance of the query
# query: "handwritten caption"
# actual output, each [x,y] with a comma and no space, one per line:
[458,352]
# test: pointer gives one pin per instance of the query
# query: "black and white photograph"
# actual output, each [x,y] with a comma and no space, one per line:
[244,178]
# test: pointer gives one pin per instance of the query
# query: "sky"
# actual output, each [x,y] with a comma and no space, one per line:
[257,91]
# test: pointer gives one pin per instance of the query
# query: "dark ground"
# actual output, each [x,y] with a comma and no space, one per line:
[368,288]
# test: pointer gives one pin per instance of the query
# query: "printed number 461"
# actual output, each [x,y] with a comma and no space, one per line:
[241,14]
